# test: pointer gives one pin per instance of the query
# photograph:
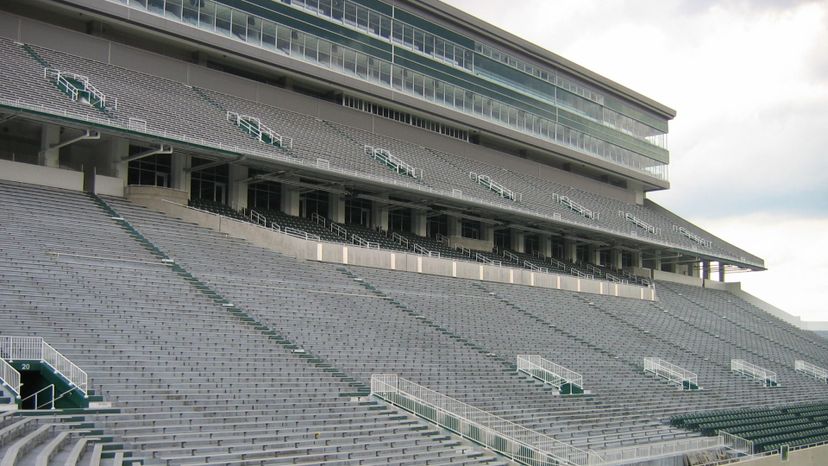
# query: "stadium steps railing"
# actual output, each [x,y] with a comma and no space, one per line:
[766,376]
[567,382]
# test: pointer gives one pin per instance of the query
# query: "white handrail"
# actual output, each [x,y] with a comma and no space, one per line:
[547,371]
[482,258]
[35,348]
[62,365]
[257,218]
[320,220]
[638,453]
[734,442]
[511,256]
[36,396]
[360,241]
[811,370]
[673,373]
[400,239]
[10,377]
[339,230]
[512,440]
[295,232]
[768,377]
[421,250]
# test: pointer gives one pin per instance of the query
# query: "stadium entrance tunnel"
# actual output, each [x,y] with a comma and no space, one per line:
[41,387]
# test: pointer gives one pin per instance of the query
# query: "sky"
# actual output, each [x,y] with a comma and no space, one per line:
[749,146]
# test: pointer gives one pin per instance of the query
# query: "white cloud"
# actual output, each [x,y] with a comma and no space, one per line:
[749,147]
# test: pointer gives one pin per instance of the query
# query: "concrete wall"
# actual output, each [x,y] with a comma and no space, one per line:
[816,456]
[351,255]
[40,175]
[677,278]
[109,185]
[153,195]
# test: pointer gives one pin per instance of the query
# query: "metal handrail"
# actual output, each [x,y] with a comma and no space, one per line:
[482,258]
[400,239]
[636,453]
[360,241]
[36,394]
[811,370]
[257,218]
[62,365]
[548,371]
[737,443]
[511,256]
[768,377]
[512,440]
[421,250]
[320,220]
[669,371]
[10,377]
[297,233]
[35,348]
[339,230]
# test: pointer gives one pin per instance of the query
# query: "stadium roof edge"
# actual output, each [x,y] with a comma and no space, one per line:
[485,29]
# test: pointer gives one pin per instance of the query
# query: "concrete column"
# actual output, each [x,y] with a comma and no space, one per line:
[336,208]
[637,259]
[706,270]
[419,222]
[487,232]
[290,200]
[237,191]
[116,151]
[379,215]
[616,259]
[179,172]
[516,242]
[593,255]
[721,272]
[454,227]
[570,251]
[545,245]
[657,261]
[49,136]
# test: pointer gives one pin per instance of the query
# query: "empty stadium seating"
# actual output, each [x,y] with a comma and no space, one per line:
[166,108]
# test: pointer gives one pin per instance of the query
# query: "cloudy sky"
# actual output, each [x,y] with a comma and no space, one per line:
[749,147]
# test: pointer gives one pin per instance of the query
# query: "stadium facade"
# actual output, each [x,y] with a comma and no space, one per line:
[290,154]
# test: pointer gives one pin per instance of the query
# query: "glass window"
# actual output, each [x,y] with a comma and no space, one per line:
[324,53]
[223,19]
[156,6]
[173,9]
[240,25]
[268,35]
[350,13]
[190,12]
[254,30]
[207,15]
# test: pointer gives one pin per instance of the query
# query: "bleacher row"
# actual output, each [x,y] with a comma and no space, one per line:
[170,108]
[272,376]
[322,227]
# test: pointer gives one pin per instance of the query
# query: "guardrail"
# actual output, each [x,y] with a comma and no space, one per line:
[360,241]
[421,250]
[10,378]
[740,366]
[637,453]
[507,438]
[35,348]
[811,370]
[685,379]
[734,442]
[547,371]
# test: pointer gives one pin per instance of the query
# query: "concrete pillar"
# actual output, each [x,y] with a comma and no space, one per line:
[657,261]
[637,259]
[179,172]
[516,242]
[336,208]
[721,272]
[545,245]
[454,227]
[616,259]
[487,232]
[237,191]
[49,136]
[419,222]
[570,251]
[706,270]
[290,200]
[379,215]
[116,151]
[593,255]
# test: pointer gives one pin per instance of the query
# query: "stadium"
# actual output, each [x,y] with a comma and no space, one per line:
[361,232]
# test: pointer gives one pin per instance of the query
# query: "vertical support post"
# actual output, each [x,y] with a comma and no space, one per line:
[238,187]
[721,271]
[545,245]
[516,242]
[379,215]
[419,220]
[290,200]
[336,208]
[180,173]
[49,136]
[706,270]
[570,250]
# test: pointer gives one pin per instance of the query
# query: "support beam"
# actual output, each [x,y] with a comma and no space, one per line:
[117,150]
[706,270]
[570,250]
[545,245]
[237,191]
[49,138]
[290,200]
[179,172]
[419,222]
[336,208]
[161,150]
[721,271]
[516,240]
[616,259]
[593,254]
[379,214]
